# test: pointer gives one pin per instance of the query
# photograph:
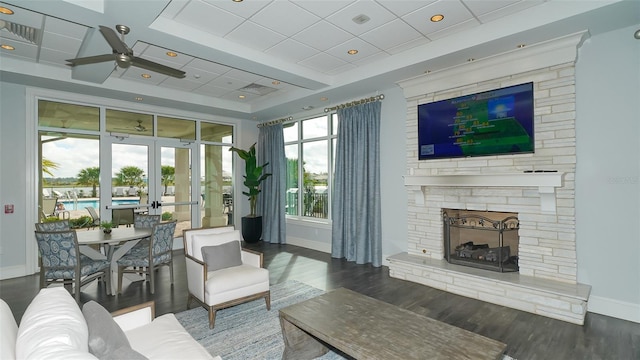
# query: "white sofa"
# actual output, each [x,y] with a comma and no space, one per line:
[54,327]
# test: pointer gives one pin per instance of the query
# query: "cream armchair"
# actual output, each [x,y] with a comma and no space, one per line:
[235,282]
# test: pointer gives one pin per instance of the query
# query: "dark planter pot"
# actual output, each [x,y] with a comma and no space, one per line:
[252,228]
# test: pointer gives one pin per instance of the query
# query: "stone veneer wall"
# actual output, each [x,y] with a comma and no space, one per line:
[547,240]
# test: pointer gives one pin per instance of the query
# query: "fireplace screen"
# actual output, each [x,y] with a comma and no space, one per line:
[481,239]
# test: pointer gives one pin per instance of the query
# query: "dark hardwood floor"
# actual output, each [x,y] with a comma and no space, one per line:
[527,336]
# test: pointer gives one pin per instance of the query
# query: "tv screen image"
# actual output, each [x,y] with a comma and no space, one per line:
[488,123]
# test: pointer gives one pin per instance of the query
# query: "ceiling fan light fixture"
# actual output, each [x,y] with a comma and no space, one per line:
[123,60]
[5,10]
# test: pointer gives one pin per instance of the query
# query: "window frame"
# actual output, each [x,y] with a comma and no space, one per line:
[330,139]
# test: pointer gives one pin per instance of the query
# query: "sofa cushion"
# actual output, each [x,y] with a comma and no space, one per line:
[165,338]
[53,327]
[198,241]
[8,331]
[106,339]
[222,256]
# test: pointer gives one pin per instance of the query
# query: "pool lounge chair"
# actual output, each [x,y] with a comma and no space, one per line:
[94,216]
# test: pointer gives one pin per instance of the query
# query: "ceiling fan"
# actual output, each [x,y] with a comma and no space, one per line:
[138,128]
[123,55]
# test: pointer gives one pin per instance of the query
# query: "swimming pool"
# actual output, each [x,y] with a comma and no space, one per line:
[82,203]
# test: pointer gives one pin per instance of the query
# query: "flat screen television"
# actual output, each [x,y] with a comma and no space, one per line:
[487,123]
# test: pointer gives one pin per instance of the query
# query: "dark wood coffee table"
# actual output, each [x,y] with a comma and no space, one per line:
[366,328]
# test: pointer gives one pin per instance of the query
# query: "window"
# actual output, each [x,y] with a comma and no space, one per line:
[309,148]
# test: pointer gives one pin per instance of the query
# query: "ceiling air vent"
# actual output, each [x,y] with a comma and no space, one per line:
[257,89]
[26,32]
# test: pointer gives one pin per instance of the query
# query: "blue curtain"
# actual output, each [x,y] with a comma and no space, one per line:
[271,201]
[356,233]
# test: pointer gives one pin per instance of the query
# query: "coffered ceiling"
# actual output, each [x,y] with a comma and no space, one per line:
[263,59]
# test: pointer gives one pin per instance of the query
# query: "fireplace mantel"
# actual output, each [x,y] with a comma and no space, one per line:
[546,182]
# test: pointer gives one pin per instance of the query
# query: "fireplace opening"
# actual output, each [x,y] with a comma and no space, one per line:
[482,239]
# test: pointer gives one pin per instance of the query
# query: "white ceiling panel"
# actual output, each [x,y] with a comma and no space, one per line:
[244,9]
[208,18]
[186,84]
[322,8]
[65,28]
[229,83]
[403,7]
[159,54]
[380,55]
[480,8]
[377,16]
[22,49]
[454,12]
[323,62]
[61,43]
[322,36]
[254,36]
[208,66]
[507,10]
[408,45]
[291,50]
[456,28]
[364,50]
[293,18]
[24,17]
[243,76]
[386,36]
[135,74]
[211,90]
[55,57]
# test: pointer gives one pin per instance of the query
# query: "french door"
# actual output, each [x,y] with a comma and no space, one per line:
[152,176]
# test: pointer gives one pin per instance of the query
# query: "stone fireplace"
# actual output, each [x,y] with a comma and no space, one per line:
[538,187]
[481,239]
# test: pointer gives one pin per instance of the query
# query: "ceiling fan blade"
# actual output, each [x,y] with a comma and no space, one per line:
[114,41]
[92,59]
[159,68]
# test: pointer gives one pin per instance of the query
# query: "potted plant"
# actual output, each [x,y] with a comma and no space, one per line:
[106,226]
[254,176]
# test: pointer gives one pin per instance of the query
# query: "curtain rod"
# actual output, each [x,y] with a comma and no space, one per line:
[274,122]
[354,103]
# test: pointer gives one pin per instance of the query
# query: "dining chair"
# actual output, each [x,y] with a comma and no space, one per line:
[122,217]
[95,218]
[150,258]
[63,263]
[58,225]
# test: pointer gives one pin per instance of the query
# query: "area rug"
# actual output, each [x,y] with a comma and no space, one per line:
[249,331]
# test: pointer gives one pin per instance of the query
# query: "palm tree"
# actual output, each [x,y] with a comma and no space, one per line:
[130,175]
[48,166]
[90,176]
[168,176]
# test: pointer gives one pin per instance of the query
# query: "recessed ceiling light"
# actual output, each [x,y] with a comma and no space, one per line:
[7,47]
[324,98]
[437,17]
[520,46]
[138,98]
[171,54]
[352,52]
[146,76]
[241,96]
[275,82]
[471,59]
[361,19]
[236,0]
[5,11]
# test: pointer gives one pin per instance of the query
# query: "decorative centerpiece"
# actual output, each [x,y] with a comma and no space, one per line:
[106,226]
[254,175]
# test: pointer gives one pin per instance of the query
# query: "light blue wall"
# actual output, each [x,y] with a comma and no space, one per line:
[608,170]
[13,181]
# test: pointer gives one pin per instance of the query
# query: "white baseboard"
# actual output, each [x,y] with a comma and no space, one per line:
[614,308]
[10,272]
[313,245]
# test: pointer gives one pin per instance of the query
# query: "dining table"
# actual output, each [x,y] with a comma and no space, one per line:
[115,245]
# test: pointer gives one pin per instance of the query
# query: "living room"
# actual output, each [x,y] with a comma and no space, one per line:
[607,157]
